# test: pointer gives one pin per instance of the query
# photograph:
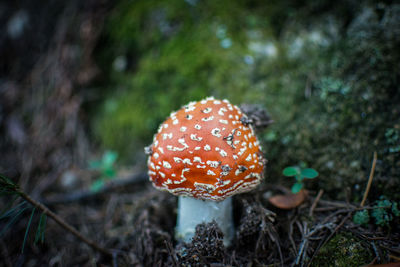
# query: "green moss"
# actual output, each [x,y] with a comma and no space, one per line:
[343,250]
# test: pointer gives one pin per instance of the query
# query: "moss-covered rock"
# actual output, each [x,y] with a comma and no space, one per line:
[343,250]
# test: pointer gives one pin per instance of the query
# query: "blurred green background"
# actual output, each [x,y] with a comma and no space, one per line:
[327,73]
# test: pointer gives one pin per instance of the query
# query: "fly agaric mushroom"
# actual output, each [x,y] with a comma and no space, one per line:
[204,153]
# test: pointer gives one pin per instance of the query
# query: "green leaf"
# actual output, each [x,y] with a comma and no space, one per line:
[291,171]
[109,158]
[27,229]
[296,188]
[97,185]
[309,173]
[109,172]
[299,178]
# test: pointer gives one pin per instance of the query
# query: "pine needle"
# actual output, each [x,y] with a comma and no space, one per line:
[27,229]
[12,220]
[39,236]
[10,212]
[7,186]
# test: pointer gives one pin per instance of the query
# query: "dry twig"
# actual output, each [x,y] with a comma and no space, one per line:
[307,235]
[371,176]
[290,234]
[316,200]
[393,257]
[171,252]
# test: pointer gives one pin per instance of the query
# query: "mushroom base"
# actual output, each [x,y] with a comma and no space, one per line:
[192,212]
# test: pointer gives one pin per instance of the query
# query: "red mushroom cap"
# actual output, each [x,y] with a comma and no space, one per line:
[207,150]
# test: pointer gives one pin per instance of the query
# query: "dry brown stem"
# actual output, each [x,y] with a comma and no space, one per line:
[321,191]
[371,176]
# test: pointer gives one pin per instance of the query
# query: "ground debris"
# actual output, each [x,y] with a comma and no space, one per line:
[206,248]
[257,239]
[149,231]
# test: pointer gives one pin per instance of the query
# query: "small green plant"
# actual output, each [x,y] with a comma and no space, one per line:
[299,174]
[106,167]
[383,212]
[361,217]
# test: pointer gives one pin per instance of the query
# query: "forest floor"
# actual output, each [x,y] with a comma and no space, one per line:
[135,224]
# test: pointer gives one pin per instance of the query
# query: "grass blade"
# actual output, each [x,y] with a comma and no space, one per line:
[27,229]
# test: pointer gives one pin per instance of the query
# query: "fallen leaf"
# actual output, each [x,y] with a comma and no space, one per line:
[288,201]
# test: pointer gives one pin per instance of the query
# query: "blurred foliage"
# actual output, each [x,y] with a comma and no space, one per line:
[105,167]
[328,75]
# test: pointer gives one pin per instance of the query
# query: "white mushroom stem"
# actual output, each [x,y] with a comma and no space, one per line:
[192,212]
